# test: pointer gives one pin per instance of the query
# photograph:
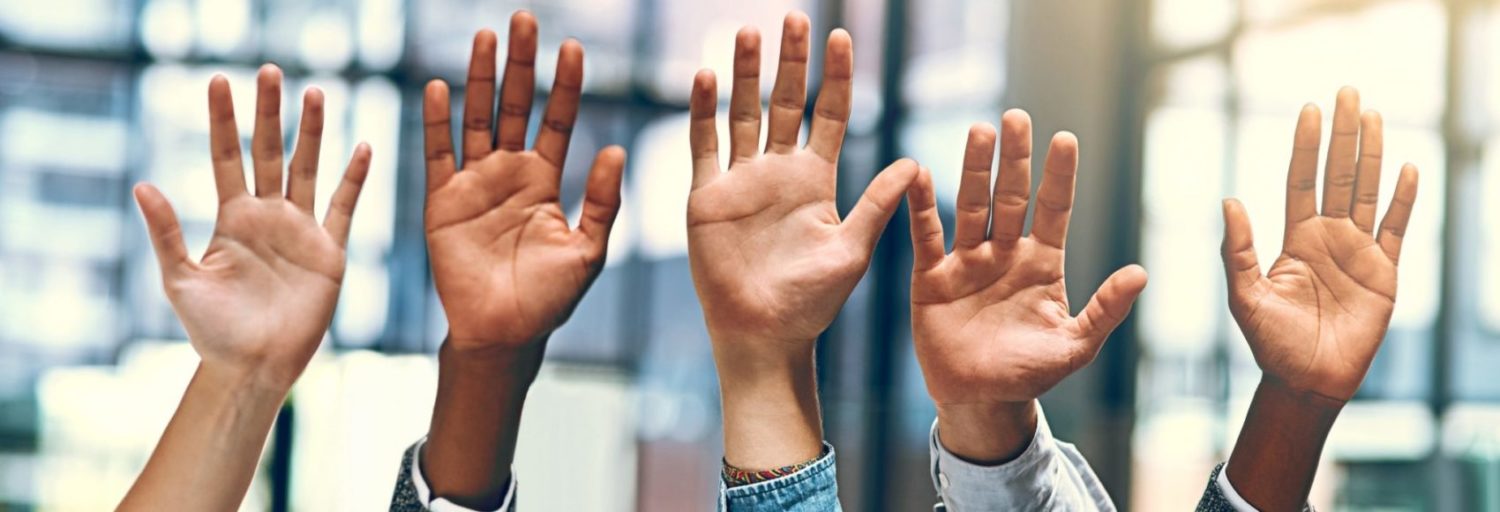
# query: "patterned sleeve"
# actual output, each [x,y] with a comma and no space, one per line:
[1220,495]
[405,498]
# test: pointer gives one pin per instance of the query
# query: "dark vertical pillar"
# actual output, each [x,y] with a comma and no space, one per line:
[889,280]
[281,459]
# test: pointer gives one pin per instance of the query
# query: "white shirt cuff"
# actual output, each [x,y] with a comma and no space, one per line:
[1231,495]
[962,484]
[424,492]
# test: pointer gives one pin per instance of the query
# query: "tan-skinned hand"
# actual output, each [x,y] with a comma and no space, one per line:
[508,268]
[1317,318]
[262,296]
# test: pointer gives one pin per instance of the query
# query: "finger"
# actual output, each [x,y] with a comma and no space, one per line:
[1367,181]
[926,224]
[301,187]
[1302,174]
[1393,227]
[703,136]
[1108,307]
[224,141]
[163,228]
[601,200]
[1241,267]
[437,134]
[1343,148]
[880,200]
[973,216]
[265,143]
[1054,199]
[1013,186]
[562,106]
[831,113]
[789,96]
[519,83]
[341,207]
[479,98]
[744,100]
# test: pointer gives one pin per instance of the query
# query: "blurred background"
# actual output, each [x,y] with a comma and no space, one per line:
[1177,103]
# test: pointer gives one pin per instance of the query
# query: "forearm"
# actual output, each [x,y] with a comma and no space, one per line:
[472,440]
[1277,453]
[987,434]
[770,400]
[210,449]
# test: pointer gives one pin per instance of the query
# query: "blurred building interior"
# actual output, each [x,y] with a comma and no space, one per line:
[1177,104]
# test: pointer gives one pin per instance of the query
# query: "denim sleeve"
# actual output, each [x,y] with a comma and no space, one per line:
[1048,475]
[815,488]
[414,495]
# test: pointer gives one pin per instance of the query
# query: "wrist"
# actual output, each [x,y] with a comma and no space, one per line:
[770,400]
[1276,456]
[987,434]
[1307,403]
[242,395]
[493,360]
[476,419]
[490,343]
[245,382]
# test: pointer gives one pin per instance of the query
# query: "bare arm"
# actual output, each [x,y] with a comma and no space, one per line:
[255,306]
[508,268]
[772,260]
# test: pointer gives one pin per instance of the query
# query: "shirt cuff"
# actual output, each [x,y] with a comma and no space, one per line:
[424,492]
[1023,478]
[1231,495]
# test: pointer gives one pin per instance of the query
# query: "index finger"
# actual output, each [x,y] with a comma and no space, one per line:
[224,141]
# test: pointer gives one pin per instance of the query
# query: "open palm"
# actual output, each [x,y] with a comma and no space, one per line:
[768,250]
[1317,318]
[264,292]
[991,321]
[507,266]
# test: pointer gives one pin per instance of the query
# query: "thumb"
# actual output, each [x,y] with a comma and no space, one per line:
[1241,268]
[601,199]
[1110,304]
[879,202]
[162,226]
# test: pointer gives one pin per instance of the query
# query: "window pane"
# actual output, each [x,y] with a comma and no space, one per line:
[957,53]
[1279,69]
[1191,22]
[1181,196]
[443,34]
[100,25]
[1489,241]
[689,35]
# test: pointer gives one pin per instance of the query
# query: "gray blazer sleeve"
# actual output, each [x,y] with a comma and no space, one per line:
[1213,499]
[405,498]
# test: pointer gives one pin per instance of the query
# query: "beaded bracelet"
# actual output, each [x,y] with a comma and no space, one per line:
[735,477]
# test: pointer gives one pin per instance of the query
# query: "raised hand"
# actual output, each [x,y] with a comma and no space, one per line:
[1316,319]
[263,294]
[255,306]
[771,258]
[991,321]
[508,267]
